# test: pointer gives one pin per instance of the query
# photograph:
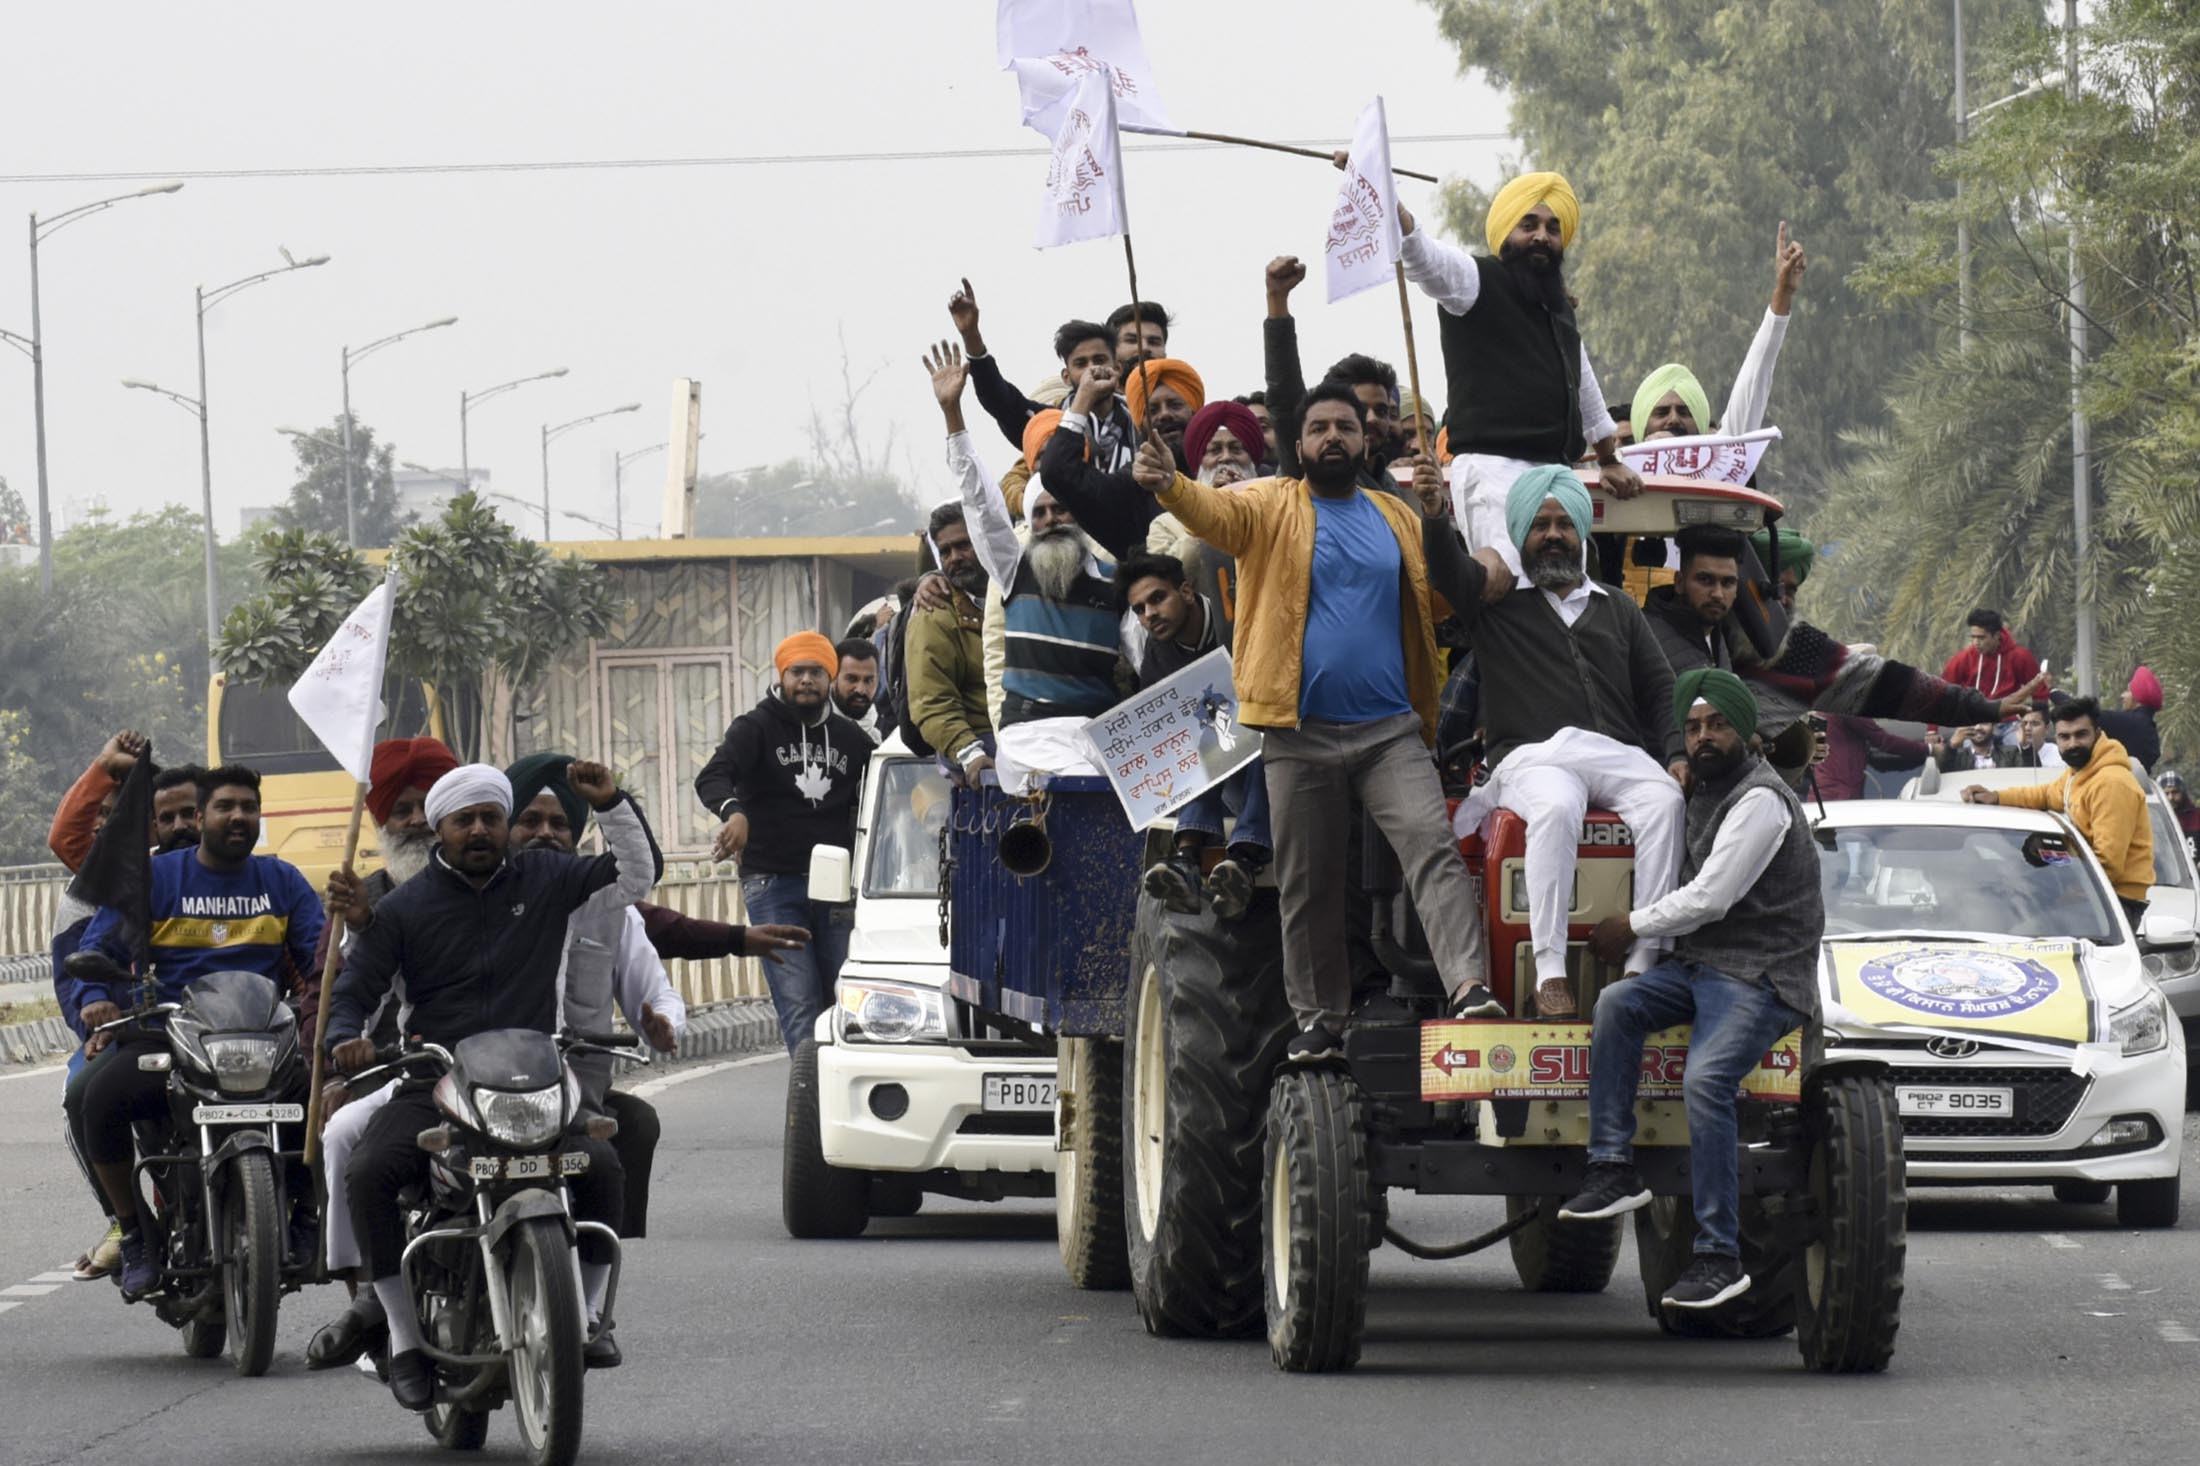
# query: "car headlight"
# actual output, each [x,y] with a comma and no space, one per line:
[242,1065]
[2141,1028]
[528,1119]
[892,1012]
[2171,962]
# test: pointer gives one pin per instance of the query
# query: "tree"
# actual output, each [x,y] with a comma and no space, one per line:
[1965,497]
[474,601]
[1690,129]
[317,499]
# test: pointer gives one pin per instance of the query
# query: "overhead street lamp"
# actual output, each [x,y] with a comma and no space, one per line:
[560,430]
[468,401]
[351,511]
[40,230]
[619,461]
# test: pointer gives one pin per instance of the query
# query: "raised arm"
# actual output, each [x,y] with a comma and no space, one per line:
[1223,518]
[630,864]
[1286,376]
[985,512]
[1752,395]
[1443,271]
[1009,408]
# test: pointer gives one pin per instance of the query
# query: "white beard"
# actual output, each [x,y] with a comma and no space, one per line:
[1225,475]
[405,855]
[1056,560]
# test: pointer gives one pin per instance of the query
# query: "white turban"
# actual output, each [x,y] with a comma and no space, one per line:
[468,785]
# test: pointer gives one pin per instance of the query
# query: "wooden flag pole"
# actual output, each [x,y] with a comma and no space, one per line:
[1138,325]
[328,986]
[1413,365]
[1254,142]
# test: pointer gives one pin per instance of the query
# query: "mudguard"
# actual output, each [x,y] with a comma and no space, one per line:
[522,1205]
[235,1144]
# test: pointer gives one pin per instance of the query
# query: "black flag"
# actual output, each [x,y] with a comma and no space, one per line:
[118,874]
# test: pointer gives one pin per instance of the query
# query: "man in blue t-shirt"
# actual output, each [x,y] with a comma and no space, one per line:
[215,908]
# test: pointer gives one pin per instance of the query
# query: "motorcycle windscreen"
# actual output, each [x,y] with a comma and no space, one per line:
[232,1002]
[508,1058]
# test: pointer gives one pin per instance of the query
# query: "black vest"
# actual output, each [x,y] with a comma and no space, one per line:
[1770,935]
[1513,374]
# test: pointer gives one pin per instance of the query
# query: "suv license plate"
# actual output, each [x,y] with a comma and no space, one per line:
[248,1114]
[1985,1104]
[1019,1091]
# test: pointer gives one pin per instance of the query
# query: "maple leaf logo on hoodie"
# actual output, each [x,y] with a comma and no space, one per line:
[813,783]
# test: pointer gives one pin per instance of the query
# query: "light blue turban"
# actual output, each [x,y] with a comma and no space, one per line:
[1547,481]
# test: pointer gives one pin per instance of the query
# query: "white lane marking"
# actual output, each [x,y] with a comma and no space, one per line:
[34,1073]
[2173,1332]
[5,1306]
[659,1086]
[29,1290]
[67,1275]
[2059,1242]
[2110,1283]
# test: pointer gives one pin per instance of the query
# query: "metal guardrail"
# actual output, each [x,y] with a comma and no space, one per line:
[30,895]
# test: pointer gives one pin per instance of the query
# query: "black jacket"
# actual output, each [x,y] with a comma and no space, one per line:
[470,960]
[1165,658]
[2134,729]
[796,780]
[1111,508]
[1681,634]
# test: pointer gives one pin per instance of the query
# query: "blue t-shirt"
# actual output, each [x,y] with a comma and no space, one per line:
[264,918]
[1353,661]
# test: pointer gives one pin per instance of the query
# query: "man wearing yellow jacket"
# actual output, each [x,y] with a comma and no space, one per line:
[2100,795]
[1335,662]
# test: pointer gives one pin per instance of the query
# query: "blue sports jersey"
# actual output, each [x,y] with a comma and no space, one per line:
[264,917]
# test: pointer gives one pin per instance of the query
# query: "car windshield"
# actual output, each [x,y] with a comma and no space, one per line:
[905,830]
[1954,878]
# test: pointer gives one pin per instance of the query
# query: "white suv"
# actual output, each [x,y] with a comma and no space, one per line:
[897,1094]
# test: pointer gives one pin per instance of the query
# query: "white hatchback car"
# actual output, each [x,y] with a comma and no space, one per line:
[895,1095]
[1980,953]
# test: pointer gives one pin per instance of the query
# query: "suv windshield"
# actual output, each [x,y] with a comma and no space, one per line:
[905,831]
[2019,883]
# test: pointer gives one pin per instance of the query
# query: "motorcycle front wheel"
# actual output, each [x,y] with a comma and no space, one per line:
[252,1237]
[547,1366]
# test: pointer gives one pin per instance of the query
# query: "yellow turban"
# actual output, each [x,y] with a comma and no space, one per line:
[1524,193]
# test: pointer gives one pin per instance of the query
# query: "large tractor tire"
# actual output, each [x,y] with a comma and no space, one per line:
[816,1199]
[1849,1307]
[1317,1222]
[1088,1177]
[1665,1243]
[1207,1025]
[1552,1256]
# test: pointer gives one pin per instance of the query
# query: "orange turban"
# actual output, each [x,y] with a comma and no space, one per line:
[806,646]
[1161,371]
[1036,432]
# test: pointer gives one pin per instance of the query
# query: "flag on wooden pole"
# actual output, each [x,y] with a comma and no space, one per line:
[1053,45]
[1363,240]
[340,696]
[1084,194]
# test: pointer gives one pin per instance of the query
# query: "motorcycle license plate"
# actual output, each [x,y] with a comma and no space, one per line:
[1985,1104]
[248,1114]
[527,1167]
[1023,1092]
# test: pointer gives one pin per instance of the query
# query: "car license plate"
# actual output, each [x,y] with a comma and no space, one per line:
[1985,1104]
[248,1114]
[1019,1091]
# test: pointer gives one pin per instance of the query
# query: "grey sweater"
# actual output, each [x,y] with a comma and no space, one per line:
[1539,675]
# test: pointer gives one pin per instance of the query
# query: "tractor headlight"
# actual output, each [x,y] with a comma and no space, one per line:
[2141,1028]
[242,1065]
[529,1119]
[892,1012]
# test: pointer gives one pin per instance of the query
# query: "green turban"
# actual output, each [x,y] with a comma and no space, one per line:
[540,771]
[1672,377]
[1547,481]
[1796,553]
[1723,690]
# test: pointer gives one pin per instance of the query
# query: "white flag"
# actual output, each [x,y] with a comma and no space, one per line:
[1052,45]
[1711,457]
[1362,245]
[340,695]
[1084,197]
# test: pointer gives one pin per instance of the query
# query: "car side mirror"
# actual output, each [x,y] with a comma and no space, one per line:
[2163,931]
[832,877]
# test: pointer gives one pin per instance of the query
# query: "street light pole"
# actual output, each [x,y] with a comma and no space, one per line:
[2081,465]
[351,509]
[1963,227]
[468,401]
[38,231]
[549,432]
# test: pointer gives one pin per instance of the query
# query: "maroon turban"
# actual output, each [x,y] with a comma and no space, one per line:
[1235,416]
[401,764]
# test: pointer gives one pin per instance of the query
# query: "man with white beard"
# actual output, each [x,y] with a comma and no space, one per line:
[1061,632]
[403,771]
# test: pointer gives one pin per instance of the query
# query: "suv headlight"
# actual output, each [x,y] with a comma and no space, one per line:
[529,1119]
[2141,1028]
[242,1065]
[892,1012]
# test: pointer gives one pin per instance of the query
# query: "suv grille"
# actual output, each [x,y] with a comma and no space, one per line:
[2046,1099]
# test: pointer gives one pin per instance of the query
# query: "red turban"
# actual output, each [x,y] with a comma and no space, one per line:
[1161,371]
[2146,689]
[1235,416]
[404,763]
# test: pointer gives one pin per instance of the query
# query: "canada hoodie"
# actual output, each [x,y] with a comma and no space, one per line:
[1993,674]
[795,777]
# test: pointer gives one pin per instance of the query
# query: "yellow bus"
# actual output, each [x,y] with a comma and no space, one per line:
[305,795]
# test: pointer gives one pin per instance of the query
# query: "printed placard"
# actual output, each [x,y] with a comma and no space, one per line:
[1174,741]
[1712,457]
[2021,990]
[1479,1059]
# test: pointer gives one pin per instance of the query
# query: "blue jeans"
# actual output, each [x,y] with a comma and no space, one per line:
[1244,794]
[801,982]
[1734,1022]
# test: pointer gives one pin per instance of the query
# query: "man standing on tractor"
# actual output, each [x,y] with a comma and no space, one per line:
[1746,927]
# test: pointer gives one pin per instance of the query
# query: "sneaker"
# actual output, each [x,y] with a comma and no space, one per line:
[1475,1000]
[1712,1279]
[1554,998]
[1315,1044]
[412,1380]
[1230,887]
[1611,1188]
[140,1273]
[1174,881]
[103,1258]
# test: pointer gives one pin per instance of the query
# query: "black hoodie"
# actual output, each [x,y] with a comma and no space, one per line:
[795,779]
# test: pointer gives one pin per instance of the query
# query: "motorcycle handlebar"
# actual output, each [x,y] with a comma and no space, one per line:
[153,1010]
[603,1040]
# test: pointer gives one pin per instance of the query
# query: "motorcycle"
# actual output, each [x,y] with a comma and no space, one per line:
[491,1258]
[218,1208]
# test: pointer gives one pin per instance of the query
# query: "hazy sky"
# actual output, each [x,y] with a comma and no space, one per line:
[737,275]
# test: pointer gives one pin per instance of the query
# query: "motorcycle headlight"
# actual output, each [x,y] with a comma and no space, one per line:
[242,1064]
[892,1012]
[529,1119]
[187,1036]
[2141,1028]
